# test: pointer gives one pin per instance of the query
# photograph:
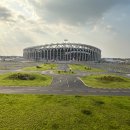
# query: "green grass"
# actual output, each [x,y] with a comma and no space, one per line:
[97,81]
[84,68]
[40,80]
[41,67]
[48,112]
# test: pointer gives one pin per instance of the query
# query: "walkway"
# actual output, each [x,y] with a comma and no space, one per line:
[65,84]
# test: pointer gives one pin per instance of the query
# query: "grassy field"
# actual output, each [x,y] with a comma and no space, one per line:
[49,112]
[94,81]
[40,80]
[83,68]
[41,67]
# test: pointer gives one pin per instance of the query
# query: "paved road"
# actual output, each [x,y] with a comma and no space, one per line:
[65,84]
[63,67]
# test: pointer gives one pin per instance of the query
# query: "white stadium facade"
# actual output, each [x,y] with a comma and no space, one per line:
[62,52]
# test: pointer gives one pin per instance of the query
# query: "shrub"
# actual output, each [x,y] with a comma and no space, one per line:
[38,67]
[21,76]
[77,96]
[89,68]
[111,78]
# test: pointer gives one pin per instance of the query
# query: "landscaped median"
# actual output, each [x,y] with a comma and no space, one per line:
[25,79]
[64,72]
[86,68]
[42,67]
[106,81]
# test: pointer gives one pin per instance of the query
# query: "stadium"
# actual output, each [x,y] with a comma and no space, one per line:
[62,52]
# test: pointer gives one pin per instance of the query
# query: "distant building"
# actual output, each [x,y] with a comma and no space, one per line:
[114,60]
[63,52]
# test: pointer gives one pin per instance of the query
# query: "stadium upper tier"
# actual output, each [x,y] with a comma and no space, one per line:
[63,52]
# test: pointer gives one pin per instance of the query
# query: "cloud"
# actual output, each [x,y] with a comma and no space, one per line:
[45,21]
[5,13]
[75,12]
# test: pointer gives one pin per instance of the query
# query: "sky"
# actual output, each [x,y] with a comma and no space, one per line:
[101,23]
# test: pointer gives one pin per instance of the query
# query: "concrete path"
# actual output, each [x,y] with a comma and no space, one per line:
[63,67]
[65,84]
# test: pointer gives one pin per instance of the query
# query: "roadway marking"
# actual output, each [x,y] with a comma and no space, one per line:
[44,90]
[68,90]
[115,91]
[125,91]
[67,82]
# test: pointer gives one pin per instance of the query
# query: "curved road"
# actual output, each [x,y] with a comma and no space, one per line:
[65,84]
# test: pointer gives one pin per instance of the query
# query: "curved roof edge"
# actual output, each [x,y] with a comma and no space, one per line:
[64,43]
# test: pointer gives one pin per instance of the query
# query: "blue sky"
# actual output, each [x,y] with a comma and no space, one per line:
[101,23]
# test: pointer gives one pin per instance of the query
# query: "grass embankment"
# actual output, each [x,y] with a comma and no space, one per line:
[24,79]
[106,81]
[41,67]
[48,112]
[84,68]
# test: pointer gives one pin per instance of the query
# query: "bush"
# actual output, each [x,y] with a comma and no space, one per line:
[87,68]
[21,76]
[38,67]
[111,78]
[65,71]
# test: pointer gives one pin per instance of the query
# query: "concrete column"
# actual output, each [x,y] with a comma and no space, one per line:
[77,58]
[65,50]
[67,54]
[57,54]
[47,54]
[85,56]
[39,54]
[96,58]
[53,53]
[60,53]
[34,54]
[92,55]
[43,54]
[50,54]
[80,55]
